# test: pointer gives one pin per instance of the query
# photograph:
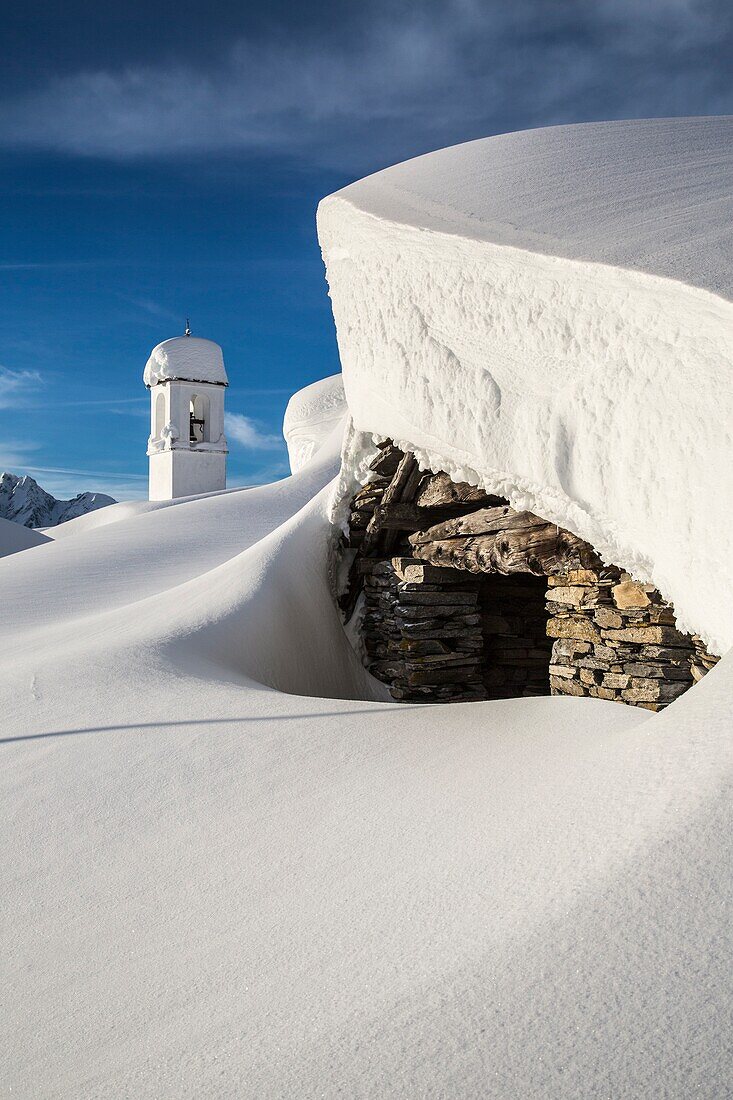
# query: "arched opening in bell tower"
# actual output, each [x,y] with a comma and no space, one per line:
[159,416]
[199,419]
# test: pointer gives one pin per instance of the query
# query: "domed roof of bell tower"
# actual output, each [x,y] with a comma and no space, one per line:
[186,358]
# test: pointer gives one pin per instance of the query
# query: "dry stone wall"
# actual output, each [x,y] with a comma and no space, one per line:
[463,598]
[422,630]
[615,639]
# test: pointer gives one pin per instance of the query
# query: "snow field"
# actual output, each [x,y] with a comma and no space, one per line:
[15,537]
[230,870]
[221,888]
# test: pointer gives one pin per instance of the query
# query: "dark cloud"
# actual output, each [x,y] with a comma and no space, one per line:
[362,85]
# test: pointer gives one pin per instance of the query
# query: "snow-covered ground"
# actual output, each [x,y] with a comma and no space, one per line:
[15,537]
[230,869]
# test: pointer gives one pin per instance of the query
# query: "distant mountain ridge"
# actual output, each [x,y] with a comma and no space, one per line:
[22,500]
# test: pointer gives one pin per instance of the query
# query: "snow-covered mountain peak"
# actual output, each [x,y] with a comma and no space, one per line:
[23,501]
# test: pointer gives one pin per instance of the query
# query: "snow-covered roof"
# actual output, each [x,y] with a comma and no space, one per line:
[549,314]
[187,358]
[650,194]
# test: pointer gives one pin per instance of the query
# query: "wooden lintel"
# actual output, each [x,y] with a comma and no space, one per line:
[402,516]
[485,521]
[542,549]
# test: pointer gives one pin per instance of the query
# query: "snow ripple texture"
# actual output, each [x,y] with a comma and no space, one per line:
[230,870]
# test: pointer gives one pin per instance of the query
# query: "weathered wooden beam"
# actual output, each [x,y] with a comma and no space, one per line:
[403,516]
[403,486]
[366,498]
[485,521]
[433,676]
[438,490]
[539,549]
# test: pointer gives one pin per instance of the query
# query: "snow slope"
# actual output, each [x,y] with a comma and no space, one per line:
[15,537]
[549,314]
[230,869]
[213,886]
[311,415]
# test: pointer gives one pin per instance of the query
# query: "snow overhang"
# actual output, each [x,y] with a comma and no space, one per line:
[578,367]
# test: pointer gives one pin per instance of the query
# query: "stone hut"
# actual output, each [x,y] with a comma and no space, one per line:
[464,598]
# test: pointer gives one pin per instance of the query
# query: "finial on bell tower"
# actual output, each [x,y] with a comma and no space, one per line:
[188,328]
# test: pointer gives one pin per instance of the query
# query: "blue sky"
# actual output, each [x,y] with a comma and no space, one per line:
[158,162]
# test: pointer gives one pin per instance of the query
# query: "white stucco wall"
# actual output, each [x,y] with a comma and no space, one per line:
[177,467]
[183,473]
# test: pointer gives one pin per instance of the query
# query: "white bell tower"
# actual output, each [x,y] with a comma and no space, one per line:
[187,447]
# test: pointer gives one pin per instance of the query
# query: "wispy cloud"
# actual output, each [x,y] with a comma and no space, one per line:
[399,77]
[106,402]
[65,484]
[17,386]
[245,432]
[15,455]
[58,265]
[109,474]
[153,308]
[118,406]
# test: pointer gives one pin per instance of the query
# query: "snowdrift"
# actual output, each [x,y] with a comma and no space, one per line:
[549,314]
[230,869]
[311,417]
[15,537]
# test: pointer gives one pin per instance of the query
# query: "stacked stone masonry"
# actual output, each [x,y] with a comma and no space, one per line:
[615,639]
[422,632]
[463,598]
